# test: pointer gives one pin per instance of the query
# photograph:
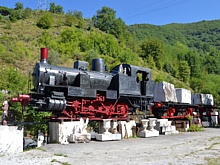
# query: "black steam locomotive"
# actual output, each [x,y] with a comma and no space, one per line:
[71,93]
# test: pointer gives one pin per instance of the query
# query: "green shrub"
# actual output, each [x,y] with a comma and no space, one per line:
[195,128]
[45,21]
[16,15]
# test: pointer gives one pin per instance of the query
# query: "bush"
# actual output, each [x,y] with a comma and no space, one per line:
[195,128]
[16,15]
[45,22]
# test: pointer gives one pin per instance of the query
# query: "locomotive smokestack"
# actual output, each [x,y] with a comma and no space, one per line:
[43,55]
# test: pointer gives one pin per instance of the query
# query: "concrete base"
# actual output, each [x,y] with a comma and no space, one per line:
[205,124]
[93,135]
[108,137]
[148,133]
[167,130]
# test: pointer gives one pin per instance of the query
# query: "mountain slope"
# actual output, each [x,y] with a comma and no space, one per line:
[199,35]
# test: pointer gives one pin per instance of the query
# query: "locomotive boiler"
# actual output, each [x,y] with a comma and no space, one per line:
[71,93]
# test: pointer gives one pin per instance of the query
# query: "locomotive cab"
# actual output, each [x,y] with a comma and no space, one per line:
[133,80]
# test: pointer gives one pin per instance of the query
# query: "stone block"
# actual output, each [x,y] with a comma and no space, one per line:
[11,139]
[183,95]
[202,99]
[205,124]
[164,92]
[146,134]
[108,137]
[75,138]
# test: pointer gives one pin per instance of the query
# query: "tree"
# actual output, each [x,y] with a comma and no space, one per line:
[16,15]
[196,84]
[70,19]
[154,48]
[184,71]
[194,63]
[69,41]
[59,9]
[105,18]
[45,21]
[4,11]
[45,39]
[12,80]
[118,28]
[55,9]
[52,7]
[80,23]
[78,14]
[106,21]
[180,50]
[211,62]
[19,6]
[54,57]
[27,13]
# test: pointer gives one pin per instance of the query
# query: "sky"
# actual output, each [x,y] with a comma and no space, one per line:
[156,12]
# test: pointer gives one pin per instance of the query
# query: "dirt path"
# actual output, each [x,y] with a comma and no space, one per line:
[184,148]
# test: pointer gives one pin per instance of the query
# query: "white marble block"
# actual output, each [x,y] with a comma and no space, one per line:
[164,92]
[108,137]
[183,95]
[202,99]
[149,134]
[215,117]
[11,139]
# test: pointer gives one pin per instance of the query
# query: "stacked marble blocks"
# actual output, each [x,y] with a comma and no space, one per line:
[148,128]
[106,135]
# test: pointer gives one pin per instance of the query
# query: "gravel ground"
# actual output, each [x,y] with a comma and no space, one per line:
[183,148]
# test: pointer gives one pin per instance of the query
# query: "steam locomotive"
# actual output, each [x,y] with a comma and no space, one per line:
[72,93]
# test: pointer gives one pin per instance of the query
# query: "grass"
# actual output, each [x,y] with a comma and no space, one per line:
[35,148]
[210,147]
[63,163]
[189,153]
[195,128]
[41,149]
[213,161]
[213,138]
[61,155]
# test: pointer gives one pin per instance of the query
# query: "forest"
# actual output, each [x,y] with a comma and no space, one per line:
[187,55]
